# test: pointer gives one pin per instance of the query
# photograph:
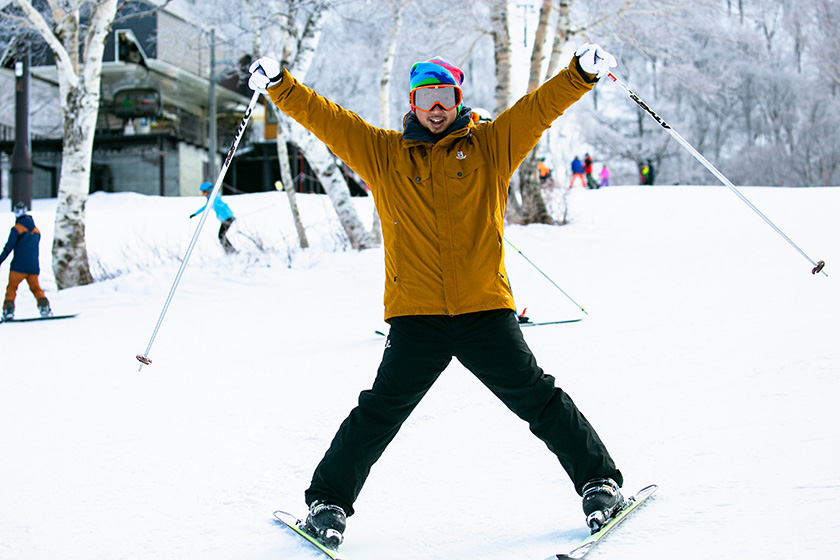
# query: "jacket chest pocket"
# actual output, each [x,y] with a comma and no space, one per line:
[411,188]
[416,170]
[463,165]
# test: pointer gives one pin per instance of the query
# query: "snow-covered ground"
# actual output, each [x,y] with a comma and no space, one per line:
[709,363]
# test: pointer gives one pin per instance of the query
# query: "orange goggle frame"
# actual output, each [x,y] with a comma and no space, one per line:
[424,98]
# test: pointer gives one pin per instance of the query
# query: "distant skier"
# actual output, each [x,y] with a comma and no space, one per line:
[24,239]
[441,188]
[644,174]
[223,213]
[545,171]
[577,172]
[650,175]
[605,177]
[591,183]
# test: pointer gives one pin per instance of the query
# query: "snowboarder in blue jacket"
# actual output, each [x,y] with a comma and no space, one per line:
[223,212]
[24,239]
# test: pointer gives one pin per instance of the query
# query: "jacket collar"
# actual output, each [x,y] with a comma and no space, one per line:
[413,130]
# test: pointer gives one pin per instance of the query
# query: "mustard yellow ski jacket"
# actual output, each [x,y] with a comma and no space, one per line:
[442,203]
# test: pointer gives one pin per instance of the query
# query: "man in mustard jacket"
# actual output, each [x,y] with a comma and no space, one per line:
[441,187]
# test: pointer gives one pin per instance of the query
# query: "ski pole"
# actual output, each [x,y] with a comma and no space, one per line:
[818,266]
[553,283]
[144,358]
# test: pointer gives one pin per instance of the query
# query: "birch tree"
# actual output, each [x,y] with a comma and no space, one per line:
[500,33]
[562,36]
[75,31]
[323,163]
[385,93]
[534,209]
[301,23]
[388,64]
[257,21]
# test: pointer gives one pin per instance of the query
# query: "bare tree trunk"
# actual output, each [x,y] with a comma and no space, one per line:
[385,96]
[255,15]
[502,55]
[537,53]
[319,157]
[288,182]
[388,66]
[562,35]
[534,209]
[79,68]
[332,180]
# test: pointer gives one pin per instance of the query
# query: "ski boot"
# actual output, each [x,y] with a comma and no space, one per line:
[325,523]
[8,310]
[601,501]
[44,307]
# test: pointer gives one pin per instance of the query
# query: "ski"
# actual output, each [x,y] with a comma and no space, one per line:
[540,324]
[522,324]
[589,542]
[30,319]
[288,520]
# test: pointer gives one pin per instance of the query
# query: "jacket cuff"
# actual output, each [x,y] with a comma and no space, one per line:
[587,77]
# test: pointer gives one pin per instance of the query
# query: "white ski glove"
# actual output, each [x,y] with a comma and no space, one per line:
[595,60]
[265,72]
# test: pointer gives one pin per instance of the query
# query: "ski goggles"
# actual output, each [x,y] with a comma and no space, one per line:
[424,98]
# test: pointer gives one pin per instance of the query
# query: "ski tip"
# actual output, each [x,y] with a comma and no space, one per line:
[565,557]
[284,516]
[646,491]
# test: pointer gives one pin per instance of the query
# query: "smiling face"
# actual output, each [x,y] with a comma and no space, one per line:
[435,93]
[437,120]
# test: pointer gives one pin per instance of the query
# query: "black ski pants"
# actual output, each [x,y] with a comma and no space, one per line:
[488,343]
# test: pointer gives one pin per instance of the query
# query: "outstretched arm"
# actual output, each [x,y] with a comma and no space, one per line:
[359,144]
[515,132]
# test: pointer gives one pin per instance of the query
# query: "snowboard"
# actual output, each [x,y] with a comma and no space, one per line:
[587,544]
[288,520]
[30,319]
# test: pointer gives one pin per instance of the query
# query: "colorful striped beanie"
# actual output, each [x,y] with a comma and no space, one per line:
[435,71]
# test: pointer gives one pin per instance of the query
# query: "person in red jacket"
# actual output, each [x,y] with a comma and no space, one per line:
[24,239]
[591,183]
[441,188]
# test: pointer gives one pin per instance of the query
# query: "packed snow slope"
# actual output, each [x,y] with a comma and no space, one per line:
[708,362]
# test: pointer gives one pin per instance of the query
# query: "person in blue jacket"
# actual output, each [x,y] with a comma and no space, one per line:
[577,172]
[24,239]
[223,212]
